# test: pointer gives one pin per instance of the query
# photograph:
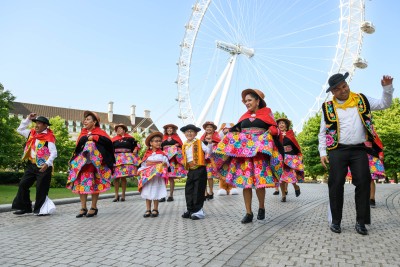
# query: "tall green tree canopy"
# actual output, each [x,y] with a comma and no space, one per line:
[387,125]
[11,147]
[65,146]
[308,141]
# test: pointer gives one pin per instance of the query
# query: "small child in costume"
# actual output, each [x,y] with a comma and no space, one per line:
[210,136]
[194,151]
[153,174]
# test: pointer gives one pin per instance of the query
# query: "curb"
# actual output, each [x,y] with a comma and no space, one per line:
[63,201]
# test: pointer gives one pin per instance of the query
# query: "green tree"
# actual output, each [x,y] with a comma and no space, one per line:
[11,148]
[138,137]
[387,126]
[65,146]
[308,141]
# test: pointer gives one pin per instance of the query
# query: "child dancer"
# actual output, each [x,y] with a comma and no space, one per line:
[153,174]
[194,151]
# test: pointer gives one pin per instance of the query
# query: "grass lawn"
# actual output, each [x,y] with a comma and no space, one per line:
[8,192]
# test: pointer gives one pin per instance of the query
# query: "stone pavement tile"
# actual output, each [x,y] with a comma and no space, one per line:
[180,257]
[294,228]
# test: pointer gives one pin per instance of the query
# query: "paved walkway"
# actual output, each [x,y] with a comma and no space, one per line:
[294,233]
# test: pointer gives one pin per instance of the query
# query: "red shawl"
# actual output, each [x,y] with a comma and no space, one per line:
[33,136]
[173,136]
[215,137]
[119,137]
[264,114]
[150,152]
[96,131]
[290,135]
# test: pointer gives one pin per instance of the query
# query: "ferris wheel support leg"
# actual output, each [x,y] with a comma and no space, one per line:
[222,100]
[214,92]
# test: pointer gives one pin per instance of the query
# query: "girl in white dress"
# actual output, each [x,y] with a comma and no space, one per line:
[153,174]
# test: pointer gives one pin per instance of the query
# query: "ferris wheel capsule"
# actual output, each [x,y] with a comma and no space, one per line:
[368,27]
[360,63]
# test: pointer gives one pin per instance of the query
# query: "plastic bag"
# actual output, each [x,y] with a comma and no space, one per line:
[48,207]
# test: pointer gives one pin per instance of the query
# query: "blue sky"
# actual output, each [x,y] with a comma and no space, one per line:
[83,54]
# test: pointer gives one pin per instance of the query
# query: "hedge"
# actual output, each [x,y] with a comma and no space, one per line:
[57,179]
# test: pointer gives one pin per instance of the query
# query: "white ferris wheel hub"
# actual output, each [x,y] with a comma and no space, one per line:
[235,49]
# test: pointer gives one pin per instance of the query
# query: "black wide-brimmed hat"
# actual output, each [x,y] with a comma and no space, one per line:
[42,119]
[190,127]
[335,80]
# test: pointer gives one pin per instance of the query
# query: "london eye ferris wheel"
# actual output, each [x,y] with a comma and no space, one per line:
[288,49]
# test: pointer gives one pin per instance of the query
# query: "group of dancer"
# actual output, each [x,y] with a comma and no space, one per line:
[257,152]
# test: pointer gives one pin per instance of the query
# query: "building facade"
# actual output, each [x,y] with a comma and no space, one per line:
[74,118]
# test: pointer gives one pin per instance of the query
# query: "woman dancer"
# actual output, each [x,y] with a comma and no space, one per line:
[126,158]
[293,169]
[248,156]
[91,164]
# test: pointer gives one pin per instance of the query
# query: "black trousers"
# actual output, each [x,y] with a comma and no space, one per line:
[195,187]
[355,157]
[22,200]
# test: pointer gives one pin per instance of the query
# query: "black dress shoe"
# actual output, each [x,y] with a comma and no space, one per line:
[248,218]
[336,228]
[372,203]
[361,229]
[211,196]
[186,215]
[297,192]
[162,199]
[276,193]
[81,213]
[92,214]
[169,199]
[261,214]
[20,212]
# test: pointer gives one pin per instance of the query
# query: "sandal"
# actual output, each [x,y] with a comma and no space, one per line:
[154,213]
[147,213]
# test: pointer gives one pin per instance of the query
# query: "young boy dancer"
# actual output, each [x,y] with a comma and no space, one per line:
[194,151]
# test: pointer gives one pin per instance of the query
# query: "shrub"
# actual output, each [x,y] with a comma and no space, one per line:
[58,180]
[10,177]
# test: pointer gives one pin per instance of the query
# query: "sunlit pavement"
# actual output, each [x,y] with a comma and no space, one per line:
[295,233]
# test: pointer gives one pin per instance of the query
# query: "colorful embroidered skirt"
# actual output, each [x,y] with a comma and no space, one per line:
[249,159]
[125,165]
[174,154]
[293,169]
[375,167]
[149,172]
[212,171]
[87,175]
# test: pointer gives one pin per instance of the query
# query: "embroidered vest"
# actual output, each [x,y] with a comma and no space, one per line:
[332,121]
[198,154]
[42,153]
